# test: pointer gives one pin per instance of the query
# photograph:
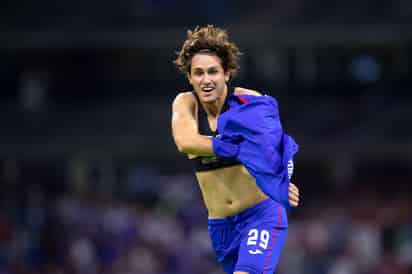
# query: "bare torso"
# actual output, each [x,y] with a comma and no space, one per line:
[228,191]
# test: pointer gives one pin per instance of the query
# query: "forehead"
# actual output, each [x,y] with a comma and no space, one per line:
[205,60]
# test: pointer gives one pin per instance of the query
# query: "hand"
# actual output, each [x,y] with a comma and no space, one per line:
[293,195]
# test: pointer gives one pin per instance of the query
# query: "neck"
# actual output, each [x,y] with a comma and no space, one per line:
[214,108]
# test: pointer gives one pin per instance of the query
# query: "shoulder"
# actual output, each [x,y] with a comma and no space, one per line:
[244,91]
[186,98]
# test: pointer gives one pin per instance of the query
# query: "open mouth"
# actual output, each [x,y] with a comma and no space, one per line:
[207,89]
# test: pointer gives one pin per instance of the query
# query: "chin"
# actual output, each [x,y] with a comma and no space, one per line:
[209,99]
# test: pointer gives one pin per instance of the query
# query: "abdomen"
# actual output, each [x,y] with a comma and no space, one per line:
[228,191]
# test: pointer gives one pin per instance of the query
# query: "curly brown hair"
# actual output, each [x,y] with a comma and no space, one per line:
[210,39]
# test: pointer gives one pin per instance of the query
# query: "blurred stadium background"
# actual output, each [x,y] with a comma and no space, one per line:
[91,181]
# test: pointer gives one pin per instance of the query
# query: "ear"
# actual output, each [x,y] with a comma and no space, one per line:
[227,76]
[189,78]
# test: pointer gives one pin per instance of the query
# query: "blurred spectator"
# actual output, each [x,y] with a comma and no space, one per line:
[90,234]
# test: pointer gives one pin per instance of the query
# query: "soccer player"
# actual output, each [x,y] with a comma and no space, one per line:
[247,228]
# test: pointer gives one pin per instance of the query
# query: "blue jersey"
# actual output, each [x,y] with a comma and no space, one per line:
[252,240]
[252,132]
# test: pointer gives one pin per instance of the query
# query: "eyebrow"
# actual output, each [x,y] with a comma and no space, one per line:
[211,67]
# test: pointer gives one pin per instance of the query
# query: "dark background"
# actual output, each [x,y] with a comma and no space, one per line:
[91,181]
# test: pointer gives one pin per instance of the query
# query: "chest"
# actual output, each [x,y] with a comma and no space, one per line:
[207,124]
[212,123]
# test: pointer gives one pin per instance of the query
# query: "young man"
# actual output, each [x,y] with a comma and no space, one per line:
[247,228]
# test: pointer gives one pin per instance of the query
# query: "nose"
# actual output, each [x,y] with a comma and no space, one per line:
[206,78]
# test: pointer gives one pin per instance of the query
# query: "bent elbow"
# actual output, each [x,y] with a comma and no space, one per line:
[182,147]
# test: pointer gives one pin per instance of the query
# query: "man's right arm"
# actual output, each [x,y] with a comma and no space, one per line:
[185,130]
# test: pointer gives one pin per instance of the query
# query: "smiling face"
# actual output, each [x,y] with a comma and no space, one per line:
[208,77]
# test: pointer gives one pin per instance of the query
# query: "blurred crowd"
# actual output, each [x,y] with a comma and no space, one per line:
[75,77]
[157,224]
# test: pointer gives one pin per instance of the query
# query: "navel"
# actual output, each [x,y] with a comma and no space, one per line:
[229,202]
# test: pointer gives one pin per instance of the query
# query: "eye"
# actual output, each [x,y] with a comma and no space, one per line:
[197,72]
[213,71]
